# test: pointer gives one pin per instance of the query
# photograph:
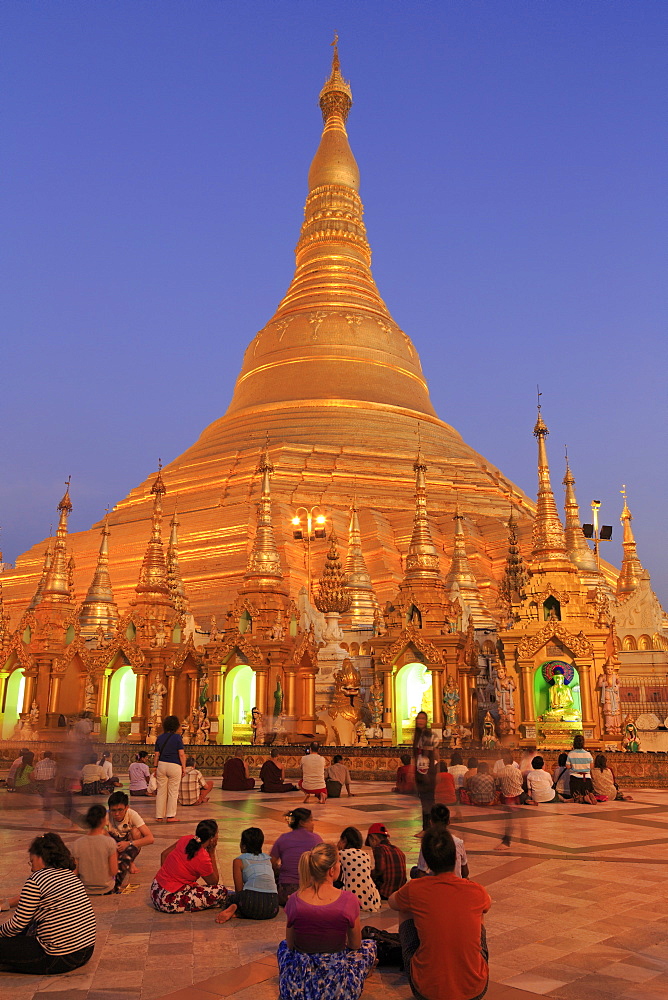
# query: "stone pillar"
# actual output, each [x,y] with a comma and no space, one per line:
[29,689]
[138,722]
[464,688]
[171,692]
[388,698]
[526,671]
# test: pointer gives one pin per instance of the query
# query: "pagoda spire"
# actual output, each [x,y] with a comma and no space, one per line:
[549,540]
[57,582]
[632,569]
[515,576]
[4,618]
[264,563]
[99,607]
[363,601]
[332,326]
[578,551]
[37,597]
[332,593]
[174,577]
[153,586]
[422,560]
[462,575]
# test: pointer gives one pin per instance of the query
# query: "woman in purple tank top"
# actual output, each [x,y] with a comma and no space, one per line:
[323,954]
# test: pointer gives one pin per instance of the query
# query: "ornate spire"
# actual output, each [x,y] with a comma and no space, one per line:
[153,586]
[57,582]
[578,551]
[174,578]
[422,560]
[462,575]
[363,602]
[332,592]
[37,597]
[632,569]
[332,326]
[515,577]
[264,563]
[549,541]
[99,607]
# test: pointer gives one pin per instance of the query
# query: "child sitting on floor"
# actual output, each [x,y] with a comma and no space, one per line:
[254,883]
[96,855]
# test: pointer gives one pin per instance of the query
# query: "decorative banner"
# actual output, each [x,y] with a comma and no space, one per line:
[550,666]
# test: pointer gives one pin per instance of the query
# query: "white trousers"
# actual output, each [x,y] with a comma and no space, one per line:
[168,777]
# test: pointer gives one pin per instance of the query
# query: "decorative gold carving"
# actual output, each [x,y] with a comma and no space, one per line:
[411,636]
[579,645]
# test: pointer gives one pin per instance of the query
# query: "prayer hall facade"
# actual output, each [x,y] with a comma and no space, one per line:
[330,558]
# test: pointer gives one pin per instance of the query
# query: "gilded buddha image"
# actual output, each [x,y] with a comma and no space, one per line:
[562,705]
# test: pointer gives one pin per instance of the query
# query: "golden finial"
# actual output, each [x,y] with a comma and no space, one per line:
[632,569]
[336,65]
[66,503]
[336,97]
[158,488]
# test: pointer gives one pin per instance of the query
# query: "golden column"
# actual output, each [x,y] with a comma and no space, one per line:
[437,695]
[388,700]
[139,718]
[526,670]
[29,689]
[172,676]
[583,666]
[290,692]
[54,688]
[261,679]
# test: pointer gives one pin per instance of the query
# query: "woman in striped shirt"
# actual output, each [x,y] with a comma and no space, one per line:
[53,928]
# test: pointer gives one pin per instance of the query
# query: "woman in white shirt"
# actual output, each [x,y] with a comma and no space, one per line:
[539,783]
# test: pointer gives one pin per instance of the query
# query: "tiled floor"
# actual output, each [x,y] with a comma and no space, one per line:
[580,903]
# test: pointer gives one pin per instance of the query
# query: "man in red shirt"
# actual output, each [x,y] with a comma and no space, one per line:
[437,909]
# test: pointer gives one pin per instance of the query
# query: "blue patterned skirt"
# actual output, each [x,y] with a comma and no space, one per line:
[336,975]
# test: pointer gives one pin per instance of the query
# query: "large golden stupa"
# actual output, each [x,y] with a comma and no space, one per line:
[336,391]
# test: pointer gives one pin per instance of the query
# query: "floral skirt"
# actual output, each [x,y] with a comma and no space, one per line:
[338,975]
[188,899]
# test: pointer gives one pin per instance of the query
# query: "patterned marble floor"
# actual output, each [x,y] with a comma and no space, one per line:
[580,902]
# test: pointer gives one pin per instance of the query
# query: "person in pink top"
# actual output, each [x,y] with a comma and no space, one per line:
[323,954]
[177,887]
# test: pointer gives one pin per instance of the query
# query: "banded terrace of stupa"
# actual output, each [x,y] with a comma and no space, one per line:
[336,390]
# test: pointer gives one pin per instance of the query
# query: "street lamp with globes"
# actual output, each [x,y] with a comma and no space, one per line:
[308,524]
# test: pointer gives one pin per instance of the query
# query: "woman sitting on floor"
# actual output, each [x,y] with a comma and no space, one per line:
[177,888]
[23,775]
[254,883]
[288,849]
[53,928]
[323,954]
[603,780]
[235,774]
[357,863]
[96,855]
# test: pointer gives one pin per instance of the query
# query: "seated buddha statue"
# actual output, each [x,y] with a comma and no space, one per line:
[562,707]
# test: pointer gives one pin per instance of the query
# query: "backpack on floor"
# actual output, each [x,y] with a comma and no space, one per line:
[388,946]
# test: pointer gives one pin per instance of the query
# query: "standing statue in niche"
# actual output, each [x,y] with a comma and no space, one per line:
[488,734]
[630,742]
[257,725]
[377,699]
[608,684]
[504,690]
[450,703]
[203,727]
[278,699]
[156,693]
[89,694]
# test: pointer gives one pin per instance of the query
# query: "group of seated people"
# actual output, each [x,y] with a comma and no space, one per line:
[576,776]
[318,779]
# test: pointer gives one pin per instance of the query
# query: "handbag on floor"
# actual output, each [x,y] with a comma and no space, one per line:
[388,946]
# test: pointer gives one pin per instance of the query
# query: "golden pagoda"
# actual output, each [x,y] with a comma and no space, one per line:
[339,388]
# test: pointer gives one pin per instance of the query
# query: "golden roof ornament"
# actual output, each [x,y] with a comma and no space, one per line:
[515,577]
[37,597]
[576,544]
[99,609]
[422,560]
[461,574]
[57,583]
[363,602]
[153,586]
[332,594]
[264,563]
[174,577]
[336,97]
[632,569]
[549,540]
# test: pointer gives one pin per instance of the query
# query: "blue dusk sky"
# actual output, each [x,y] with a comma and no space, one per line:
[154,162]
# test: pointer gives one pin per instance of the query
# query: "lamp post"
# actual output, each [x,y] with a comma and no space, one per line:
[602,534]
[308,524]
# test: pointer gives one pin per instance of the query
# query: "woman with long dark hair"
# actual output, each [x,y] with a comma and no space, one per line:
[288,849]
[177,888]
[53,927]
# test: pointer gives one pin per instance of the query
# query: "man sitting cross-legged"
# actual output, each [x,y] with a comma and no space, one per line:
[443,908]
[194,789]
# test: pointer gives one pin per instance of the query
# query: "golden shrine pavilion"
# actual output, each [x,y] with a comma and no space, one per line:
[454,591]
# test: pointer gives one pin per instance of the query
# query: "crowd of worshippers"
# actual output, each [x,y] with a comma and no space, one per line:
[577,776]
